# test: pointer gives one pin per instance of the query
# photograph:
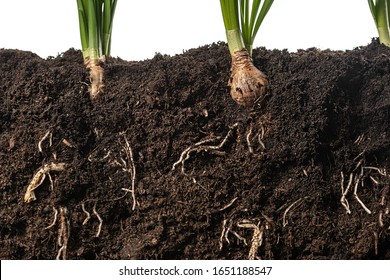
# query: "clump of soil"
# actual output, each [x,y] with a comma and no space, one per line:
[169,167]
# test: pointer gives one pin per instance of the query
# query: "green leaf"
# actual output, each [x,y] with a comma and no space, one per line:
[250,25]
[245,24]
[95,21]
[230,14]
[246,18]
[380,10]
[372,9]
[83,25]
[259,20]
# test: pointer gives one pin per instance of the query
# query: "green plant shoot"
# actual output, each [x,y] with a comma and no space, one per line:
[380,10]
[242,20]
[251,19]
[95,21]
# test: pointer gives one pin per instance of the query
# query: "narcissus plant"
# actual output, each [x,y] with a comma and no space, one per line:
[95,21]
[242,20]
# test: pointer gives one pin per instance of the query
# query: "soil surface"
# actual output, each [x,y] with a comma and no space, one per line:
[164,165]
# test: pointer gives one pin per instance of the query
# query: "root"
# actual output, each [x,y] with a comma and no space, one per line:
[343,200]
[224,229]
[384,192]
[359,139]
[99,229]
[239,237]
[257,237]
[380,219]
[63,231]
[131,170]
[55,219]
[96,77]
[228,205]
[357,178]
[185,155]
[126,163]
[63,234]
[376,243]
[384,195]
[260,136]
[248,85]
[86,213]
[358,199]
[39,177]
[100,220]
[67,143]
[198,147]
[248,140]
[285,222]
[380,171]
[48,134]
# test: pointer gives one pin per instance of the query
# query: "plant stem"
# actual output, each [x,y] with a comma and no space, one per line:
[380,10]
[93,31]
[383,10]
[83,25]
[232,26]
[108,15]
[95,20]
[234,39]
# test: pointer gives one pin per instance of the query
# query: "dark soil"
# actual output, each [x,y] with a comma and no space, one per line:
[328,118]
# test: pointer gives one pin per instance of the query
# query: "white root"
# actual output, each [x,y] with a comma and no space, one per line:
[222,234]
[39,177]
[94,211]
[67,143]
[86,213]
[100,220]
[226,228]
[376,242]
[55,219]
[229,227]
[285,222]
[357,179]
[248,140]
[375,181]
[259,136]
[384,195]
[63,231]
[256,240]
[239,237]
[358,199]
[198,147]
[185,155]
[48,134]
[131,170]
[257,237]
[343,199]
[126,164]
[380,219]
[229,204]
[63,234]
[359,139]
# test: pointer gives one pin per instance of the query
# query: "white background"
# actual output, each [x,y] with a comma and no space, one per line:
[281,270]
[142,28]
